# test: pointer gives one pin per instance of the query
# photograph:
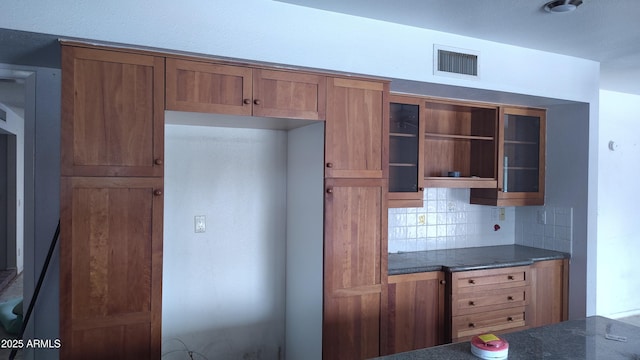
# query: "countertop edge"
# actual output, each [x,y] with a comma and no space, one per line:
[525,261]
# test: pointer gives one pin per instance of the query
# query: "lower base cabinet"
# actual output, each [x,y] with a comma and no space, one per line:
[488,301]
[415,311]
[432,308]
[506,299]
[550,298]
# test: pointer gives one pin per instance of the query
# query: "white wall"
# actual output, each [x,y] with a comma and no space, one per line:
[268,30]
[618,199]
[14,125]
[223,290]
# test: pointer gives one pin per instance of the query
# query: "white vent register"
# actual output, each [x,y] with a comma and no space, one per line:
[453,62]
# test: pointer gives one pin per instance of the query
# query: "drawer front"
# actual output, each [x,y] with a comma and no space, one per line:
[492,321]
[480,302]
[467,281]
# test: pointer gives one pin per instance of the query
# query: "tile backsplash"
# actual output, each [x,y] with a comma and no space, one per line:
[545,227]
[448,221]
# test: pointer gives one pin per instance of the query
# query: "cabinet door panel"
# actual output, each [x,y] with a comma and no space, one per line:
[351,327]
[353,234]
[521,160]
[355,117]
[204,87]
[113,113]
[289,95]
[416,311]
[406,151]
[111,261]
[130,342]
[551,291]
[354,268]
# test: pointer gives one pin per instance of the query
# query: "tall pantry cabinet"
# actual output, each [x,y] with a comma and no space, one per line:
[111,204]
[113,103]
[355,245]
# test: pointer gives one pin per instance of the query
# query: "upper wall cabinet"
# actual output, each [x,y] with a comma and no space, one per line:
[460,144]
[113,113]
[406,151]
[356,116]
[239,90]
[521,160]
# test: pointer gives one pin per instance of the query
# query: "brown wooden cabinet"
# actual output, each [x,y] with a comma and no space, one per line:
[460,137]
[112,113]
[521,159]
[492,300]
[355,229]
[111,204]
[241,90]
[112,179]
[354,129]
[496,150]
[415,311]
[354,267]
[551,292]
[406,151]
[111,268]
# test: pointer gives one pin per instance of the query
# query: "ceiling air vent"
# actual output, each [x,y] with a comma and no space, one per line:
[455,62]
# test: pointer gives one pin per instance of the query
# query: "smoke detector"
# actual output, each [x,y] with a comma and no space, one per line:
[562,6]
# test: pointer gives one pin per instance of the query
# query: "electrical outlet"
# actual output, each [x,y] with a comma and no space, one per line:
[422,219]
[502,214]
[200,223]
[542,217]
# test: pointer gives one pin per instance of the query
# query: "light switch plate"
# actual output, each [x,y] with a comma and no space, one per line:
[200,223]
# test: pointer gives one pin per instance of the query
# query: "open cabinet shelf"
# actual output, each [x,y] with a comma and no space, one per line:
[460,182]
[460,137]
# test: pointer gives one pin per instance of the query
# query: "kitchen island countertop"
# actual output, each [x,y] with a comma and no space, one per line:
[590,338]
[464,259]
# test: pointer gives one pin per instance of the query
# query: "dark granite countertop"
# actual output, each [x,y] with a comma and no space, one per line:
[464,259]
[575,339]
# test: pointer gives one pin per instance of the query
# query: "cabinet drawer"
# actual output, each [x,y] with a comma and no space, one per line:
[492,321]
[469,281]
[478,302]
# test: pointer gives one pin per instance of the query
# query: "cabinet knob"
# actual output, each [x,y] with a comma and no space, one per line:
[471,281]
[472,325]
[421,189]
[509,318]
[472,303]
[157,192]
[510,298]
[256,102]
[443,282]
[246,101]
[329,165]
[510,277]
[158,161]
[329,190]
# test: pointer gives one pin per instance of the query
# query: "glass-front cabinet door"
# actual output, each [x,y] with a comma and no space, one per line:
[406,124]
[521,158]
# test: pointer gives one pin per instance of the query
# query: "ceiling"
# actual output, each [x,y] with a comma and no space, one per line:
[607,31]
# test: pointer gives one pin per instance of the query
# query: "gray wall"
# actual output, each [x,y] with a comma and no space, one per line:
[305,201]
[41,200]
[4,173]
